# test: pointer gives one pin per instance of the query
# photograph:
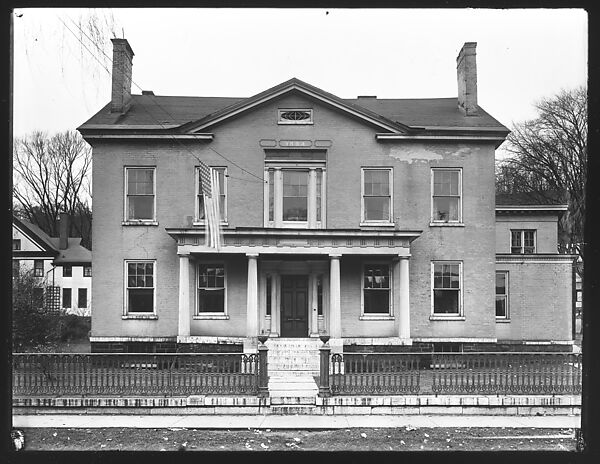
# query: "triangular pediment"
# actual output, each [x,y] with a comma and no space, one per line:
[294,86]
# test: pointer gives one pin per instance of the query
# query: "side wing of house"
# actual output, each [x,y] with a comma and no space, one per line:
[534,283]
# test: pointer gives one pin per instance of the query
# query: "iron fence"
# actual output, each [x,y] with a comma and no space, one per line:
[455,373]
[139,374]
[375,373]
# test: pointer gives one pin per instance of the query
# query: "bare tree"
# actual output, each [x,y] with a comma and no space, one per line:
[51,174]
[548,161]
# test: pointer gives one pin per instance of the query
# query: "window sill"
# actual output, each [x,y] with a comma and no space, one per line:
[211,316]
[502,320]
[376,318]
[203,223]
[446,224]
[139,223]
[377,224]
[438,317]
[140,316]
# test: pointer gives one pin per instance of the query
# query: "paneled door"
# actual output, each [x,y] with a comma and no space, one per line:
[294,306]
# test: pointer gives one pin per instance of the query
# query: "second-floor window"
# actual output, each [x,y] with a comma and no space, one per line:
[200,215]
[446,204]
[87,271]
[377,195]
[67,271]
[295,197]
[522,241]
[140,194]
[16,244]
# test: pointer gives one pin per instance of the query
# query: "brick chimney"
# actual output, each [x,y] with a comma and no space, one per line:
[121,76]
[466,73]
[63,231]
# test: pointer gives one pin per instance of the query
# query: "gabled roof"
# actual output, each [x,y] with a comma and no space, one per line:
[186,115]
[37,235]
[74,253]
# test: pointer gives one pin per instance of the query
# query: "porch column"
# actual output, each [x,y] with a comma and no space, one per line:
[184,296]
[252,298]
[404,310]
[335,310]
[274,305]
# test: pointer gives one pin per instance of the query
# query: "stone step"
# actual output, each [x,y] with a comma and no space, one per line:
[287,410]
[295,373]
[284,386]
[293,400]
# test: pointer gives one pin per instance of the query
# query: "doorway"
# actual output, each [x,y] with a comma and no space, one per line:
[294,306]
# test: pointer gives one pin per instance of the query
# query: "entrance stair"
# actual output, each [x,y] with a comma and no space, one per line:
[292,365]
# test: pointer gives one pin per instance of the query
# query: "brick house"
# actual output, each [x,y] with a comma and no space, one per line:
[61,264]
[371,219]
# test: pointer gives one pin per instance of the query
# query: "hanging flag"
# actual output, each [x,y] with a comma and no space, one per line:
[209,179]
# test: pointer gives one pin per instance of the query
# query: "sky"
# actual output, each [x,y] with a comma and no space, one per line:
[522,56]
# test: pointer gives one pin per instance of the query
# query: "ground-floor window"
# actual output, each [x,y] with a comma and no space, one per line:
[501,294]
[82,298]
[66,298]
[211,288]
[446,288]
[376,289]
[140,286]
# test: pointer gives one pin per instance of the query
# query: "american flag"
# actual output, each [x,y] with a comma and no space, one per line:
[209,179]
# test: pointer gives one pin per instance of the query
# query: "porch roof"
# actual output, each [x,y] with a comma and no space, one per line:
[248,240]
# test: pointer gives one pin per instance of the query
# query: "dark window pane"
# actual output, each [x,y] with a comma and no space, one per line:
[500,283]
[140,182]
[67,271]
[212,301]
[141,300]
[445,301]
[445,208]
[500,306]
[271,194]
[141,207]
[377,208]
[38,297]
[377,301]
[82,298]
[295,208]
[66,297]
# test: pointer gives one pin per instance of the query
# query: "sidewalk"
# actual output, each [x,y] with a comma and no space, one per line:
[289,422]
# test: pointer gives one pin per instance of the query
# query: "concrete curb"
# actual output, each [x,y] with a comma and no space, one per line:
[289,422]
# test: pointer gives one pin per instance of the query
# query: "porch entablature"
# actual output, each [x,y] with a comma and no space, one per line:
[299,241]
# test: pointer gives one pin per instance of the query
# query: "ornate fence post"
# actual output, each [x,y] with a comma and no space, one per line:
[325,350]
[263,374]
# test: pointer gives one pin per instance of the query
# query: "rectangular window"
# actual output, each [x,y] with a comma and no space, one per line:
[87,271]
[522,241]
[446,288]
[140,193]
[200,210]
[211,288]
[377,195]
[320,294]
[66,298]
[38,268]
[16,244]
[67,271]
[82,298]
[502,295]
[446,195]
[268,296]
[376,289]
[295,195]
[140,286]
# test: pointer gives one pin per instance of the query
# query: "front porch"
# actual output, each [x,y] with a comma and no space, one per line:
[293,282]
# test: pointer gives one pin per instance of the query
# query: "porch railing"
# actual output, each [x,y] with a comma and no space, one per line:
[454,373]
[139,374]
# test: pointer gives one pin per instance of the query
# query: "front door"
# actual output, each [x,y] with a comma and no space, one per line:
[294,306]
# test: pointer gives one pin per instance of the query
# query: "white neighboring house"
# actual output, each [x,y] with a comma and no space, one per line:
[61,263]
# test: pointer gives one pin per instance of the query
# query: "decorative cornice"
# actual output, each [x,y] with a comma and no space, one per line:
[535,258]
